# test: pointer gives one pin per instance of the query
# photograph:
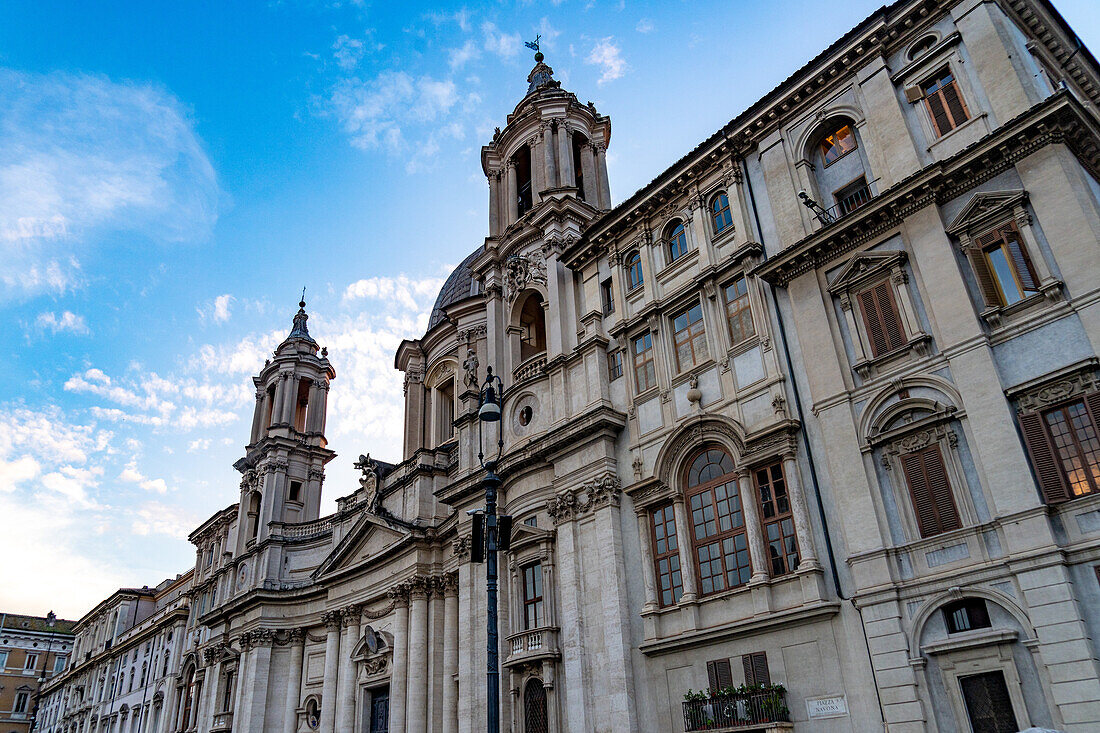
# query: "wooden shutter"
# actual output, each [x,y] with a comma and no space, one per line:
[756,668]
[719,674]
[891,323]
[1043,459]
[990,292]
[954,104]
[880,315]
[936,108]
[872,322]
[1019,258]
[930,491]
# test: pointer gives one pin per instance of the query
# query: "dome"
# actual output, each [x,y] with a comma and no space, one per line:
[459,286]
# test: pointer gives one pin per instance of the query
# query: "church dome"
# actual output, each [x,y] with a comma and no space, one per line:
[458,287]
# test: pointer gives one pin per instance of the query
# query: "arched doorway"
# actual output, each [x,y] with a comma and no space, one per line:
[534,707]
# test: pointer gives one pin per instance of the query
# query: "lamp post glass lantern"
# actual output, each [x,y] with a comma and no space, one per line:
[489,410]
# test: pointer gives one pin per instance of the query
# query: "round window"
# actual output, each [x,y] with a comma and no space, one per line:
[525,415]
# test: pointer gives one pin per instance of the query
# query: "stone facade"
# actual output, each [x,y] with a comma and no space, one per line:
[32,648]
[801,414]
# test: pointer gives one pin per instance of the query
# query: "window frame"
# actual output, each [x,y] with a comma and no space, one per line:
[944,509]
[614,365]
[667,522]
[1019,263]
[746,298]
[633,265]
[648,363]
[676,246]
[980,620]
[720,536]
[932,79]
[30,661]
[821,144]
[533,603]
[892,341]
[696,331]
[782,519]
[607,296]
[723,212]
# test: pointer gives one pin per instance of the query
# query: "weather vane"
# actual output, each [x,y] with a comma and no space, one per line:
[534,46]
[303,296]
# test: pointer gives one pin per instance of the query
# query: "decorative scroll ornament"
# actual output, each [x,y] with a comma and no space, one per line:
[520,272]
[585,499]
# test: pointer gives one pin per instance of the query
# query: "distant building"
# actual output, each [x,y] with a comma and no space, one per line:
[32,648]
[804,434]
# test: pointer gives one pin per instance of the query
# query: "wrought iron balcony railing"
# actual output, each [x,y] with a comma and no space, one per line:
[737,710]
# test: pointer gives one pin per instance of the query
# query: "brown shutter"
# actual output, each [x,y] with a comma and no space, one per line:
[891,324]
[1019,258]
[954,104]
[756,668]
[875,332]
[978,262]
[923,506]
[719,674]
[939,113]
[1043,460]
[939,488]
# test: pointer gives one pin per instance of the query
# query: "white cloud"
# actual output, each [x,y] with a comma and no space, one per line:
[458,57]
[198,445]
[155,517]
[401,291]
[81,156]
[347,51]
[130,474]
[608,57]
[13,473]
[216,310]
[373,113]
[549,34]
[645,25]
[461,17]
[67,321]
[505,45]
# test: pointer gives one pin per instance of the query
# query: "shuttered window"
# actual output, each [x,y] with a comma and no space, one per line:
[756,668]
[930,491]
[881,319]
[945,104]
[1002,266]
[1064,448]
[719,674]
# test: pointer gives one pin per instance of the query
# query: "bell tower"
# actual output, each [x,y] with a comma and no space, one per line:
[283,466]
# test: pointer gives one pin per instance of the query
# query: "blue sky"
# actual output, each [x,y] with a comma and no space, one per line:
[172,174]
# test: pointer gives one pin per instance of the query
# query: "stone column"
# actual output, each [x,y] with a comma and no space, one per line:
[313,411]
[436,635]
[511,204]
[290,402]
[258,416]
[551,176]
[259,669]
[399,676]
[800,514]
[294,681]
[450,654]
[601,172]
[588,168]
[416,720]
[280,398]
[758,557]
[345,689]
[332,660]
[683,541]
[565,155]
[649,572]
[494,203]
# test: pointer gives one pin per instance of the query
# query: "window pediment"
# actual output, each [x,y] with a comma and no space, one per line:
[985,206]
[864,267]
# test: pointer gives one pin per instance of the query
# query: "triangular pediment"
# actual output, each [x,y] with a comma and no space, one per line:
[984,205]
[524,535]
[369,538]
[863,266]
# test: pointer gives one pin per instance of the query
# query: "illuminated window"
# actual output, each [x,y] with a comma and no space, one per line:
[837,144]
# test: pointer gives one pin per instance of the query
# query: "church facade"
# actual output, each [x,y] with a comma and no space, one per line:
[800,436]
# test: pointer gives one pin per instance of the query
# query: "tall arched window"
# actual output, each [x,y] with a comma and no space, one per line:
[634,270]
[523,180]
[677,240]
[190,699]
[720,212]
[718,539]
[532,322]
[534,706]
[254,514]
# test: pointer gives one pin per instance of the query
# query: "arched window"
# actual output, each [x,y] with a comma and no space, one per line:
[191,688]
[579,143]
[634,270]
[837,143]
[720,211]
[921,47]
[718,539]
[254,514]
[532,323]
[534,706]
[677,240]
[524,193]
[313,714]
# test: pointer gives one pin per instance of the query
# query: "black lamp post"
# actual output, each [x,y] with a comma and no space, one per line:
[51,619]
[489,407]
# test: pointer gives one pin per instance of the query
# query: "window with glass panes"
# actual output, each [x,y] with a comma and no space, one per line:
[776,522]
[614,365]
[677,241]
[738,310]
[666,555]
[838,144]
[532,596]
[1004,271]
[634,270]
[1076,446]
[690,337]
[718,539]
[720,211]
[945,104]
[645,374]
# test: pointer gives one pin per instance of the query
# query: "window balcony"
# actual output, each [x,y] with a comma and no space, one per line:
[764,709]
[532,645]
[534,366]
[223,722]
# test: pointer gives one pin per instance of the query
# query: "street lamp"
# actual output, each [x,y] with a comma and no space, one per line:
[496,533]
[51,620]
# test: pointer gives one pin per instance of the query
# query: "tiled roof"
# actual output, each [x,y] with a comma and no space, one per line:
[19,622]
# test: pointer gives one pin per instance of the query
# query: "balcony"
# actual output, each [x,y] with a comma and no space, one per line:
[533,367]
[763,709]
[532,645]
[223,722]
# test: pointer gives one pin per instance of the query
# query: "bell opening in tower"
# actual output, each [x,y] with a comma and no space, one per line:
[523,179]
